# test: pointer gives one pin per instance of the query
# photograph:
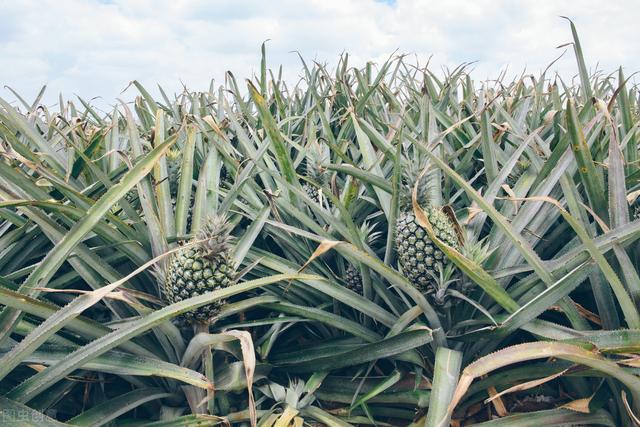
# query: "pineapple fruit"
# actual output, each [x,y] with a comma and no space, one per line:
[316,176]
[635,208]
[204,267]
[353,279]
[420,259]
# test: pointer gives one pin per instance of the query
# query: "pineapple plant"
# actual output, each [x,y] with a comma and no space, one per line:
[316,177]
[419,258]
[174,159]
[383,358]
[204,266]
[353,279]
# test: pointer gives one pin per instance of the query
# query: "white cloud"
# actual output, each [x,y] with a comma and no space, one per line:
[94,48]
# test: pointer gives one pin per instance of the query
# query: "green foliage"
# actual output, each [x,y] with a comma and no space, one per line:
[526,191]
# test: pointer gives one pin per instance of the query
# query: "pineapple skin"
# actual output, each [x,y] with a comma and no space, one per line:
[353,279]
[312,192]
[191,273]
[418,255]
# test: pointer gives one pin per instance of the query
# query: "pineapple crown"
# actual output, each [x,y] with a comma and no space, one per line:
[173,155]
[295,395]
[428,183]
[314,159]
[368,232]
[215,236]
[523,163]
[477,251]
[173,168]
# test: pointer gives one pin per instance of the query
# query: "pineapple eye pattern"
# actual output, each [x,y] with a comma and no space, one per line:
[419,258]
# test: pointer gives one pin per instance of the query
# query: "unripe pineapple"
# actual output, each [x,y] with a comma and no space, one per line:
[207,266]
[316,175]
[419,258]
[634,203]
[312,190]
[353,279]
[225,176]
[418,254]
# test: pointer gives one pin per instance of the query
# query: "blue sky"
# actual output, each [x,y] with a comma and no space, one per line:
[94,48]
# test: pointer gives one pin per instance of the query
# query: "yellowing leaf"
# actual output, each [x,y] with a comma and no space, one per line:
[325,246]
[579,405]
[526,386]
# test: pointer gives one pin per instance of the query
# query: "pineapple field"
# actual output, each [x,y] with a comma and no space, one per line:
[380,245]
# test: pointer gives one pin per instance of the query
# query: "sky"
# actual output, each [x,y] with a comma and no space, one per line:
[94,48]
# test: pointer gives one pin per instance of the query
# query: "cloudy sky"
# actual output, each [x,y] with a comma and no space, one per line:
[94,48]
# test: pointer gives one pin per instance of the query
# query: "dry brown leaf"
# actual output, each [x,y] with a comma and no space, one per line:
[512,196]
[497,402]
[249,360]
[286,417]
[589,315]
[526,385]
[471,213]
[579,405]
[634,362]
[633,416]
[325,246]
[631,197]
